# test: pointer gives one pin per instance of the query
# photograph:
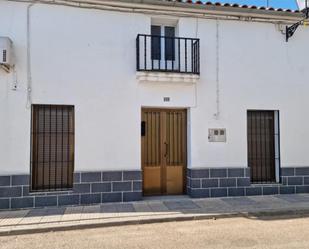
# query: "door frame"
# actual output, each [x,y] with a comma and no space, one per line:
[185,156]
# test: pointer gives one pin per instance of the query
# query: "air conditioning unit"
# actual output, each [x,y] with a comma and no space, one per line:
[6,53]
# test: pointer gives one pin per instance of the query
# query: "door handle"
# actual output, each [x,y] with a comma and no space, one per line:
[166,149]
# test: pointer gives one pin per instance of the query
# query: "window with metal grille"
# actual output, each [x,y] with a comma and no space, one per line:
[52,147]
[263,146]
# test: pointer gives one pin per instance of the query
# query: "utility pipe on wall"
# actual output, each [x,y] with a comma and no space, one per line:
[196,36]
[217,114]
[29,72]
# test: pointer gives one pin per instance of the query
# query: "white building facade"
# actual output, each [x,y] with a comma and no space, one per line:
[109,101]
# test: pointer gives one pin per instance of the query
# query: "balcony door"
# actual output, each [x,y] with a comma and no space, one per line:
[163,151]
[163,47]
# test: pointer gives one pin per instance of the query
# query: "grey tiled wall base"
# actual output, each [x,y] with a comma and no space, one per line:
[295,180]
[88,188]
[212,182]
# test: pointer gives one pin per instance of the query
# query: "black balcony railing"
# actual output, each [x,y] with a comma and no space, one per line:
[167,54]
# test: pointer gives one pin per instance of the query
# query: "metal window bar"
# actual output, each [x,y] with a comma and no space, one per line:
[52,147]
[165,52]
[183,55]
[137,53]
[186,55]
[196,56]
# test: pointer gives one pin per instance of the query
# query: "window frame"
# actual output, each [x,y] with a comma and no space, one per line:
[163,56]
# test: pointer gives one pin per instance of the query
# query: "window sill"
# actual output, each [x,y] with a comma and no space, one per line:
[51,192]
[164,77]
[275,184]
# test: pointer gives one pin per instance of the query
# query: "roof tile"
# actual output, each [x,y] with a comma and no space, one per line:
[235,5]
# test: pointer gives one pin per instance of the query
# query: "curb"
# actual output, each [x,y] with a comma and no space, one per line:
[118,223]
[265,214]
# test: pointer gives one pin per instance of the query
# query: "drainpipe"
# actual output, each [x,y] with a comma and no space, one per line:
[29,75]
[217,114]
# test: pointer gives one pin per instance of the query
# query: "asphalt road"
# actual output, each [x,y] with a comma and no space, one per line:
[223,233]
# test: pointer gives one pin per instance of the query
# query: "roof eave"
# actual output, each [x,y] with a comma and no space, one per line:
[206,9]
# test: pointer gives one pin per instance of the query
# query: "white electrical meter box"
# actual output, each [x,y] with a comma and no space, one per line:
[6,52]
[217,135]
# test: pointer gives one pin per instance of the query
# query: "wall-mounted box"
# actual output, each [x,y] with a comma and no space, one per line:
[6,60]
[217,135]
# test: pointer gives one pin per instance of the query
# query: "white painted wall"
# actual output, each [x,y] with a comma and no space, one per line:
[87,58]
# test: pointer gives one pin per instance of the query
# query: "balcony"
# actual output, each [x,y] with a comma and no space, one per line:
[167,59]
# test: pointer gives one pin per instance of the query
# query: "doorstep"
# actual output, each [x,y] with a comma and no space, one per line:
[166,197]
[149,210]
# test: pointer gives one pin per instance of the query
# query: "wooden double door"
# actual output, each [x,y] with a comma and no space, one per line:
[164,151]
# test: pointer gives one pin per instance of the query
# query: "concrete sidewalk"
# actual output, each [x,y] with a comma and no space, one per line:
[150,210]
